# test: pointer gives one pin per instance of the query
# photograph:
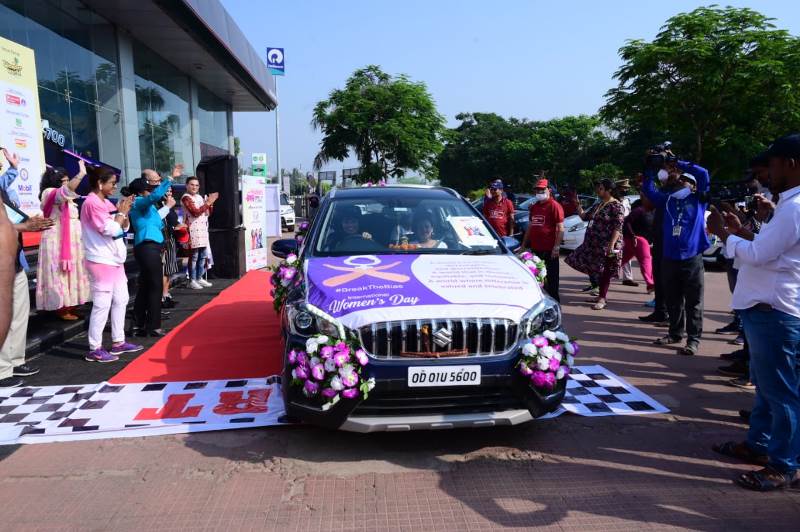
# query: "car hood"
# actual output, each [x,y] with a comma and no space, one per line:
[363,289]
[286,209]
[571,221]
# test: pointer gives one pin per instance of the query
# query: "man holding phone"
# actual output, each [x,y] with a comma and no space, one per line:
[12,353]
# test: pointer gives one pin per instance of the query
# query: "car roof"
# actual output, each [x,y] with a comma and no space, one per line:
[396,191]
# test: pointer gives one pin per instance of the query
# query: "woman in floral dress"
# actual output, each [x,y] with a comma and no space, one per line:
[600,255]
[61,279]
[197,209]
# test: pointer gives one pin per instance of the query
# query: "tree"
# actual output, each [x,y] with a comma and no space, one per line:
[237,149]
[590,176]
[389,123]
[485,146]
[718,82]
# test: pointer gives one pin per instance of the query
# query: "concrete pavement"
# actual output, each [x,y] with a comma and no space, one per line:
[571,473]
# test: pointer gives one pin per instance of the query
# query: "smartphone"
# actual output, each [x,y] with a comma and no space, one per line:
[15,215]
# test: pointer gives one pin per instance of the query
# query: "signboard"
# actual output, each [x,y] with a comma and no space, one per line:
[254,219]
[273,210]
[259,164]
[21,124]
[327,176]
[275,61]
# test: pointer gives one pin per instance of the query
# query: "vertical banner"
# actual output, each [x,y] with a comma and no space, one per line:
[254,219]
[259,164]
[274,210]
[21,125]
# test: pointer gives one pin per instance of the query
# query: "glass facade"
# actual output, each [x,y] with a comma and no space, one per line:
[162,105]
[76,67]
[213,118]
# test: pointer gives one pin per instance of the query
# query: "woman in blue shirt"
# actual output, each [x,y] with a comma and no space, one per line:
[148,243]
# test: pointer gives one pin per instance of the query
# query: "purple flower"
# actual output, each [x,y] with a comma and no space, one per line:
[525,370]
[362,357]
[326,352]
[576,348]
[299,239]
[534,270]
[342,347]
[273,279]
[526,256]
[540,341]
[538,379]
[559,348]
[302,358]
[350,378]
[300,372]
[311,388]
[288,274]
[341,358]
[549,380]
[329,393]
[350,393]
[554,364]
[292,357]
[566,370]
[303,226]
[318,372]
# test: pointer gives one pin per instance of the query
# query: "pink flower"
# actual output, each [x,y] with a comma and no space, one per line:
[534,270]
[318,372]
[310,388]
[350,379]
[362,357]
[526,256]
[292,357]
[350,393]
[559,348]
[525,370]
[342,347]
[341,359]
[540,341]
[326,352]
[300,372]
[302,358]
[329,393]
[554,364]
[288,273]
[538,379]
[549,380]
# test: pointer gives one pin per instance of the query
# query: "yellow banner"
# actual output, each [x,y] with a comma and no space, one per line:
[21,125]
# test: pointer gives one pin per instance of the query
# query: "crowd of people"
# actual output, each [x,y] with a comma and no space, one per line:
[82,255]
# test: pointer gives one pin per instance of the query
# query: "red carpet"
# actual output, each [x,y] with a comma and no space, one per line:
[234,336]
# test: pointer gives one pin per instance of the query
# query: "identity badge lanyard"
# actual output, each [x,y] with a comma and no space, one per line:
[680,207]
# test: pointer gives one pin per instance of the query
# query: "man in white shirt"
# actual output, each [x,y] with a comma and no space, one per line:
[767,294]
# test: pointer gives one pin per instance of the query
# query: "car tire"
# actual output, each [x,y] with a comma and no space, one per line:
[290,228]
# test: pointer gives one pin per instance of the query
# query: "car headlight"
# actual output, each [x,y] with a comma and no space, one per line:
[304,323]
[545,316]
[578,227]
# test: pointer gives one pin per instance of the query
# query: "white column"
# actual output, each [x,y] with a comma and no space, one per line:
[194,113]
[130,124]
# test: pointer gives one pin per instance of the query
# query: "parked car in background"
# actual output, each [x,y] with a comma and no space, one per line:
[518,200]
[287,214]
[575,228]
[441,355]
[521,215]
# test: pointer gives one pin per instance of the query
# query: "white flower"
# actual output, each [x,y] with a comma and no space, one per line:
[570,361]
[548,351]
[560,373]
[346,370]
[291,259]
[569,349]
[330,365]
[556,355]
[529,350]
[322,339]
[543,364]
[371,383]
[336,383]
[550,335]
[333,401]
[561,337]
[311,346]
[294,373]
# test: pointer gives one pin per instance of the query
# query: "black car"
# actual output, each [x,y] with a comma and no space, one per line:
[464,300]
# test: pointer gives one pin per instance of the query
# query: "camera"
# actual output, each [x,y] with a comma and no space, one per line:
[659,155]
[731,193]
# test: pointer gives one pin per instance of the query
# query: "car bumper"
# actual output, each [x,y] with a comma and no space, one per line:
[504,397]
[287,219]
[570,243]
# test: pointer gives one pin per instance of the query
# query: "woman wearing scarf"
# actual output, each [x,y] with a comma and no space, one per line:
[62,282]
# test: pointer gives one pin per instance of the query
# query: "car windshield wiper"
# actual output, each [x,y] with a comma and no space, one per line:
[479,252]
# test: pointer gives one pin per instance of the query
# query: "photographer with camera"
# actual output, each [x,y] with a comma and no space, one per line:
[766,296]
[684,240]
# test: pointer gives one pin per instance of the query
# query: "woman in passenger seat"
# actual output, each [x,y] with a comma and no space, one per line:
[423,230]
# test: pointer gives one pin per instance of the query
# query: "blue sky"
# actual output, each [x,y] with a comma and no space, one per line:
[530,59]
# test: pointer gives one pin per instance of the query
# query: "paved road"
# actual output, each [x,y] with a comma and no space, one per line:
[638,472]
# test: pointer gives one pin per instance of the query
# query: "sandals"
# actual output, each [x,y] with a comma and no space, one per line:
[688,350]
[668,340]
[767,479]
[740,451]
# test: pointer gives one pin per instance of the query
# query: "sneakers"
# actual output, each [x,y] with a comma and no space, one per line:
[101,355]
[650,304]
[668,340]
[125,347]
[157,333]
[731,328]
[739,340]
[653,318]
[629,282]
[690,349]
[204,283]
[10,382]
[194,285]
[737,369]
[743,383]
[24,370]
[739,354]
[168,302]
[588,288]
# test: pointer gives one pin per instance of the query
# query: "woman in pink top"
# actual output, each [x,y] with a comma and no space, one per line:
[103,231]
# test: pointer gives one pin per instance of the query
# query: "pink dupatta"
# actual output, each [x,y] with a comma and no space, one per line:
[65,255]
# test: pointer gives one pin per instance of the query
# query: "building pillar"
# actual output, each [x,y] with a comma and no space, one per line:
[229,116]
[130,122]
[194,113]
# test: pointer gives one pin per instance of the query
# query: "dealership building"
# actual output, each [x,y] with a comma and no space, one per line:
[139,83]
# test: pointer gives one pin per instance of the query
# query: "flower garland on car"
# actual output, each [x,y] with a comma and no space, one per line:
[300,233]
[330,370]
[284,277]
[548,358]
[536,266]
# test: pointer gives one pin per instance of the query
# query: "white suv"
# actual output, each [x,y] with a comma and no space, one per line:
[287,214]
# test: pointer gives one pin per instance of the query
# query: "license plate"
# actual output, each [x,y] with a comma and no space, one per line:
[443,376]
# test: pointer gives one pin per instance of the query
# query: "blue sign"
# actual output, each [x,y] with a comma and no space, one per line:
[275,61]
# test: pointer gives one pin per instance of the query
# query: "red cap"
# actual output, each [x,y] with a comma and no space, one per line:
[542,183]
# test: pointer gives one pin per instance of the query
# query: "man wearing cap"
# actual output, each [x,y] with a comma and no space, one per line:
[684,239]
[499,210]
[767,295]
[545,229]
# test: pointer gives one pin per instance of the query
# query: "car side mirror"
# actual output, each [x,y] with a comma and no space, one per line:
[283,247]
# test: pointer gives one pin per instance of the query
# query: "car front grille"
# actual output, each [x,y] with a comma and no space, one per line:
[416,338]
[432,401]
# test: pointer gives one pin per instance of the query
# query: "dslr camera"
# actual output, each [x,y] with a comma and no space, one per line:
[660,155]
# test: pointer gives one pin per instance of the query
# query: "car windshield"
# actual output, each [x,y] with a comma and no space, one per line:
[387,224]
[284,199]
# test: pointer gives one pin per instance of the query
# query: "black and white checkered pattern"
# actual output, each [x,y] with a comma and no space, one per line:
[595,391]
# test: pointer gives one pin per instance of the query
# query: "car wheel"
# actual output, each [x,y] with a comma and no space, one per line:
[290,228]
